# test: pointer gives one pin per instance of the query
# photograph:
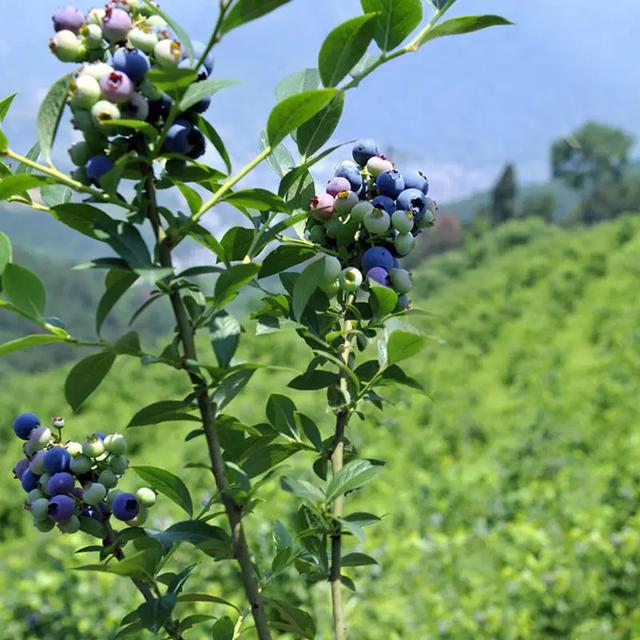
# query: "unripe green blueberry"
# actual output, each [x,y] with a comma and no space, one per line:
[332,227]
[44,480]
[33,495]
[28,449]
[377,221]
[72,525]
[427,219]
[104,110]
[93,446]
[97,70]
[404,243]
[116,444]
[85,92]
[118,464]
[146,496]
[402,221]
[331,288]
[112,495]
[317,234]
[67,47]
[350,279]
[108,479]
[360,210]
[83,120]
[80,153]
[378,165]
[93,493]
[168,53]
[74,448]
[140,519]
[143,38]
[39,438]
[39,509]
[331,269]
[44,525]
[345,201]
[58,422]
[80,465]
[37,463]
[156,20]
[400,280]
[96,16]
[92,34]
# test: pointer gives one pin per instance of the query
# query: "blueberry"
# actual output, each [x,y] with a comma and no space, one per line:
[29,480]
[125,507]
[33,495]
[400,280]
[108,479]
[197,143]
[56,460]
[147,497]
[337,185]
[20,467]
[345,201]
[198,50]
[67,47]
[350,172]
[60,483]
[39,438]
[378,164]
[385,203]
[39,509]
[402,221]
[331,268]
[377,257]
[412,200]
[203,74]
[69,19]
[330,288]
[94,493]
[115,443]
[134,63]
[159,109]
[427,219]
[379,276]
[92,34]
[202,106]
[317,234]
[61,508]
[403,303]
[97,70]
[24,424]
[116,24]
[85,91]
[363,150]
[177,140]
[390,183]
[116,87]
[74,448]
[100,435]
[404,243]
[72,525]
[96,16]
[137,108]
[350,279]
[102,111]
[377,221]
[98,166]
[322,206]
[118,464]
[168,53]
[80,465]
[416,180]
[360,210]
[44,525]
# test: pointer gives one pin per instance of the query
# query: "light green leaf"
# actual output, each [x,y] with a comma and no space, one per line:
[244,11]
[168,484]
[396,20]
[34,340]
[383,300]
[4,142]
[224,333]
[297,82]
[312,135]
[50,114]
[24,289]
[294,111]
[172,80]
[403,344]
[213,541]
[5,105]
[214,137]
[463,24]
[343,48]
[21,182]
[54,194]
[136,125]
[305,286]
[33,154]
[260,199]
[5,251]
[352,476]
[280,157]
[232,280]
[86,376]
[163,411]
[203,89]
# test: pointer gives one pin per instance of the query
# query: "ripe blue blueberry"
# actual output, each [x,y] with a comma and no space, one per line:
[134,63]
[125,507]
[61,508]
[68,18]
[379,276]
[24,424]
[350,279]
[403,302]
[116,24]
[116,87]
[349,170]
[20,467]
[98,166]
[200,107]
[377,257]
[363,150]
[416,180]
[203,74]
[198,49]
[412,200]
[177,140]
[197,143]
[390,183]
[385,203]
[29,480]
[60,483]
[56,460]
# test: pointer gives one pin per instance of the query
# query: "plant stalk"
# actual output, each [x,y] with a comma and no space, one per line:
[232,508]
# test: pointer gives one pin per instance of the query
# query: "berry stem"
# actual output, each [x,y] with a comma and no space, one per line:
[232,508]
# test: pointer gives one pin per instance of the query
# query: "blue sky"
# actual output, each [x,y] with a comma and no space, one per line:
[459,108]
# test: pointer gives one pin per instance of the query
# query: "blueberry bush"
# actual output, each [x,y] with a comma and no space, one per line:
[325,262]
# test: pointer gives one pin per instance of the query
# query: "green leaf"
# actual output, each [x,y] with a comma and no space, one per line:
[20,182]
[212,135]
[244,11]
[4,144]
[314,380]
[54,194]
[141,564]
[168,484]
[5,251]
[357,560]
[343,48]
[223,629]
[173,80]
[403,344]
[34,340]
[230,387]
[292,619]
[302,489]
[224,333]
[312,135]
[24,289]
[32,154]
[237,242]
[86,376]
[266,457]
[260,199]
[463,24]
[50,114]
[162,411]
[281,414]
[213,541]
[305,286]
[5,105]
[383,300]
[294,111]
[395,374]
[117,283]
[352,476]
[136,125]
[297,82]
[280,157]
[396,20]
[203,89]
[182,35]
[205,597]
[232,280]
[283,257]
[297,188]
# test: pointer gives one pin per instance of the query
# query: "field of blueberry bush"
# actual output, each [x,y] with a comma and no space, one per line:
[511,489]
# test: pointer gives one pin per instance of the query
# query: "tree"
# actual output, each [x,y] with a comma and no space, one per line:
[503,196]
[539,205]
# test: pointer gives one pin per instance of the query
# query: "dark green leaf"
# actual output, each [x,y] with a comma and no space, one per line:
[232,280]
[230,387]
[343,48]
[193,198]
[5,251]
[24,289]
[260,199]
[294,111]
[86,376]
[313,380]
[28,341]
[313,134]
[352,476]
[20,182]
[244,11]
[395,374]
[292,619]
[50,114]
[266,457]
[128,344]
[136,125]
[173,80]
[224,333]
[357,560]
[237,242]
[403,344]
[280,412]
[396,20]
[463,24]
[213,541]
[117,283]
[205,597]
[163,411]
[305,286]
[203,89]
[168,484]
[283,257]
[5,105]
[212,135]
[223,629]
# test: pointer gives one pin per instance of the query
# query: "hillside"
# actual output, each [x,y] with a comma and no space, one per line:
[515,483]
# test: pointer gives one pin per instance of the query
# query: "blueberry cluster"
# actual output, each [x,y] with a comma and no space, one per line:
[66,481]
[118,45]
[369,217]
